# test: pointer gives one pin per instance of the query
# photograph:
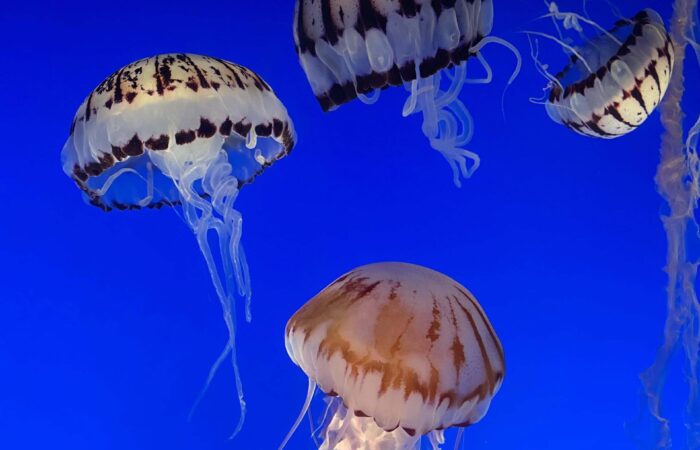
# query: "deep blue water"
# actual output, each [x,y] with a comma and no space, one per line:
[109,323]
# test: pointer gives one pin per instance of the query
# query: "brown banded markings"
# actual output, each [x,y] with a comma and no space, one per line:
[332,27]
[597,124]
[165,77]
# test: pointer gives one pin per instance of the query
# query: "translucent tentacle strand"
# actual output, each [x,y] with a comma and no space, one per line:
[215,215]
[307,403]
[446,121]
[677,184]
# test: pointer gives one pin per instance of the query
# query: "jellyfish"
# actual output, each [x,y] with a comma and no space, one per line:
[614,80]
[401,351]
[352,49]
[188,131]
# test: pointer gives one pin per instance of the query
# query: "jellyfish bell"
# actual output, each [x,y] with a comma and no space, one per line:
[187,130]
[614,80]
[352,49]
[404,350]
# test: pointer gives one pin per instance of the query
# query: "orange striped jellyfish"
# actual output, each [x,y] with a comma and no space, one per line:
[189,131]
[402,351]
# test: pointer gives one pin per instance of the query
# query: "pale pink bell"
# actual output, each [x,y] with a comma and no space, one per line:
[409,351]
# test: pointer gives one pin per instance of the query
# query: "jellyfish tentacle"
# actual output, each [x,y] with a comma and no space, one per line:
[426,103]
[564,45]
[223,189]
[458,439]
[487,68]
[307,403]
[466,121]
[444,115]
[683,311]
[213,370]
[370,98]
[246,278]
[436,439]
[542,68]
[410,105]
[516,70]
[570,18]
[324,419]
[502,42]
[458,79]
[216,215]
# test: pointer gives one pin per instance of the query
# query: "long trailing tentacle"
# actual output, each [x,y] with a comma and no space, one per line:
[487,68]
[518,62]
[218,216]
[673,175]
[542,68]
[502,42]
[307,403]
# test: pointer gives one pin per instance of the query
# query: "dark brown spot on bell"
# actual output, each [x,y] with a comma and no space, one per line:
[106,160]
[108,104]
[80,173]
[277,127]
[162,142]
[287,139]
[131,96]
[120,206]
[226,127]
[118,153]
[264,129]
[134,147]
[409,431]
[359,413]
[242,129]
[93,169]
[184,137]
[206,128]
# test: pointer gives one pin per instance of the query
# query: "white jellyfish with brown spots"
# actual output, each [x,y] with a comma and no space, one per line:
[614,80]
[354,48]
[402,351]
[188,131]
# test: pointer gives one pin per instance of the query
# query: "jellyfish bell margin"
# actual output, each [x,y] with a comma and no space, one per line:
[403,351]
[353,49]
[188,131]
[614,80]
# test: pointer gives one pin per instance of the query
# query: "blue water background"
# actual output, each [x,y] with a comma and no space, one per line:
[109,323]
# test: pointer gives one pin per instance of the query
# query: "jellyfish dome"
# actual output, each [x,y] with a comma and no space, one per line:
[404,350]
[184,130]
[615,80]
[350,49]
